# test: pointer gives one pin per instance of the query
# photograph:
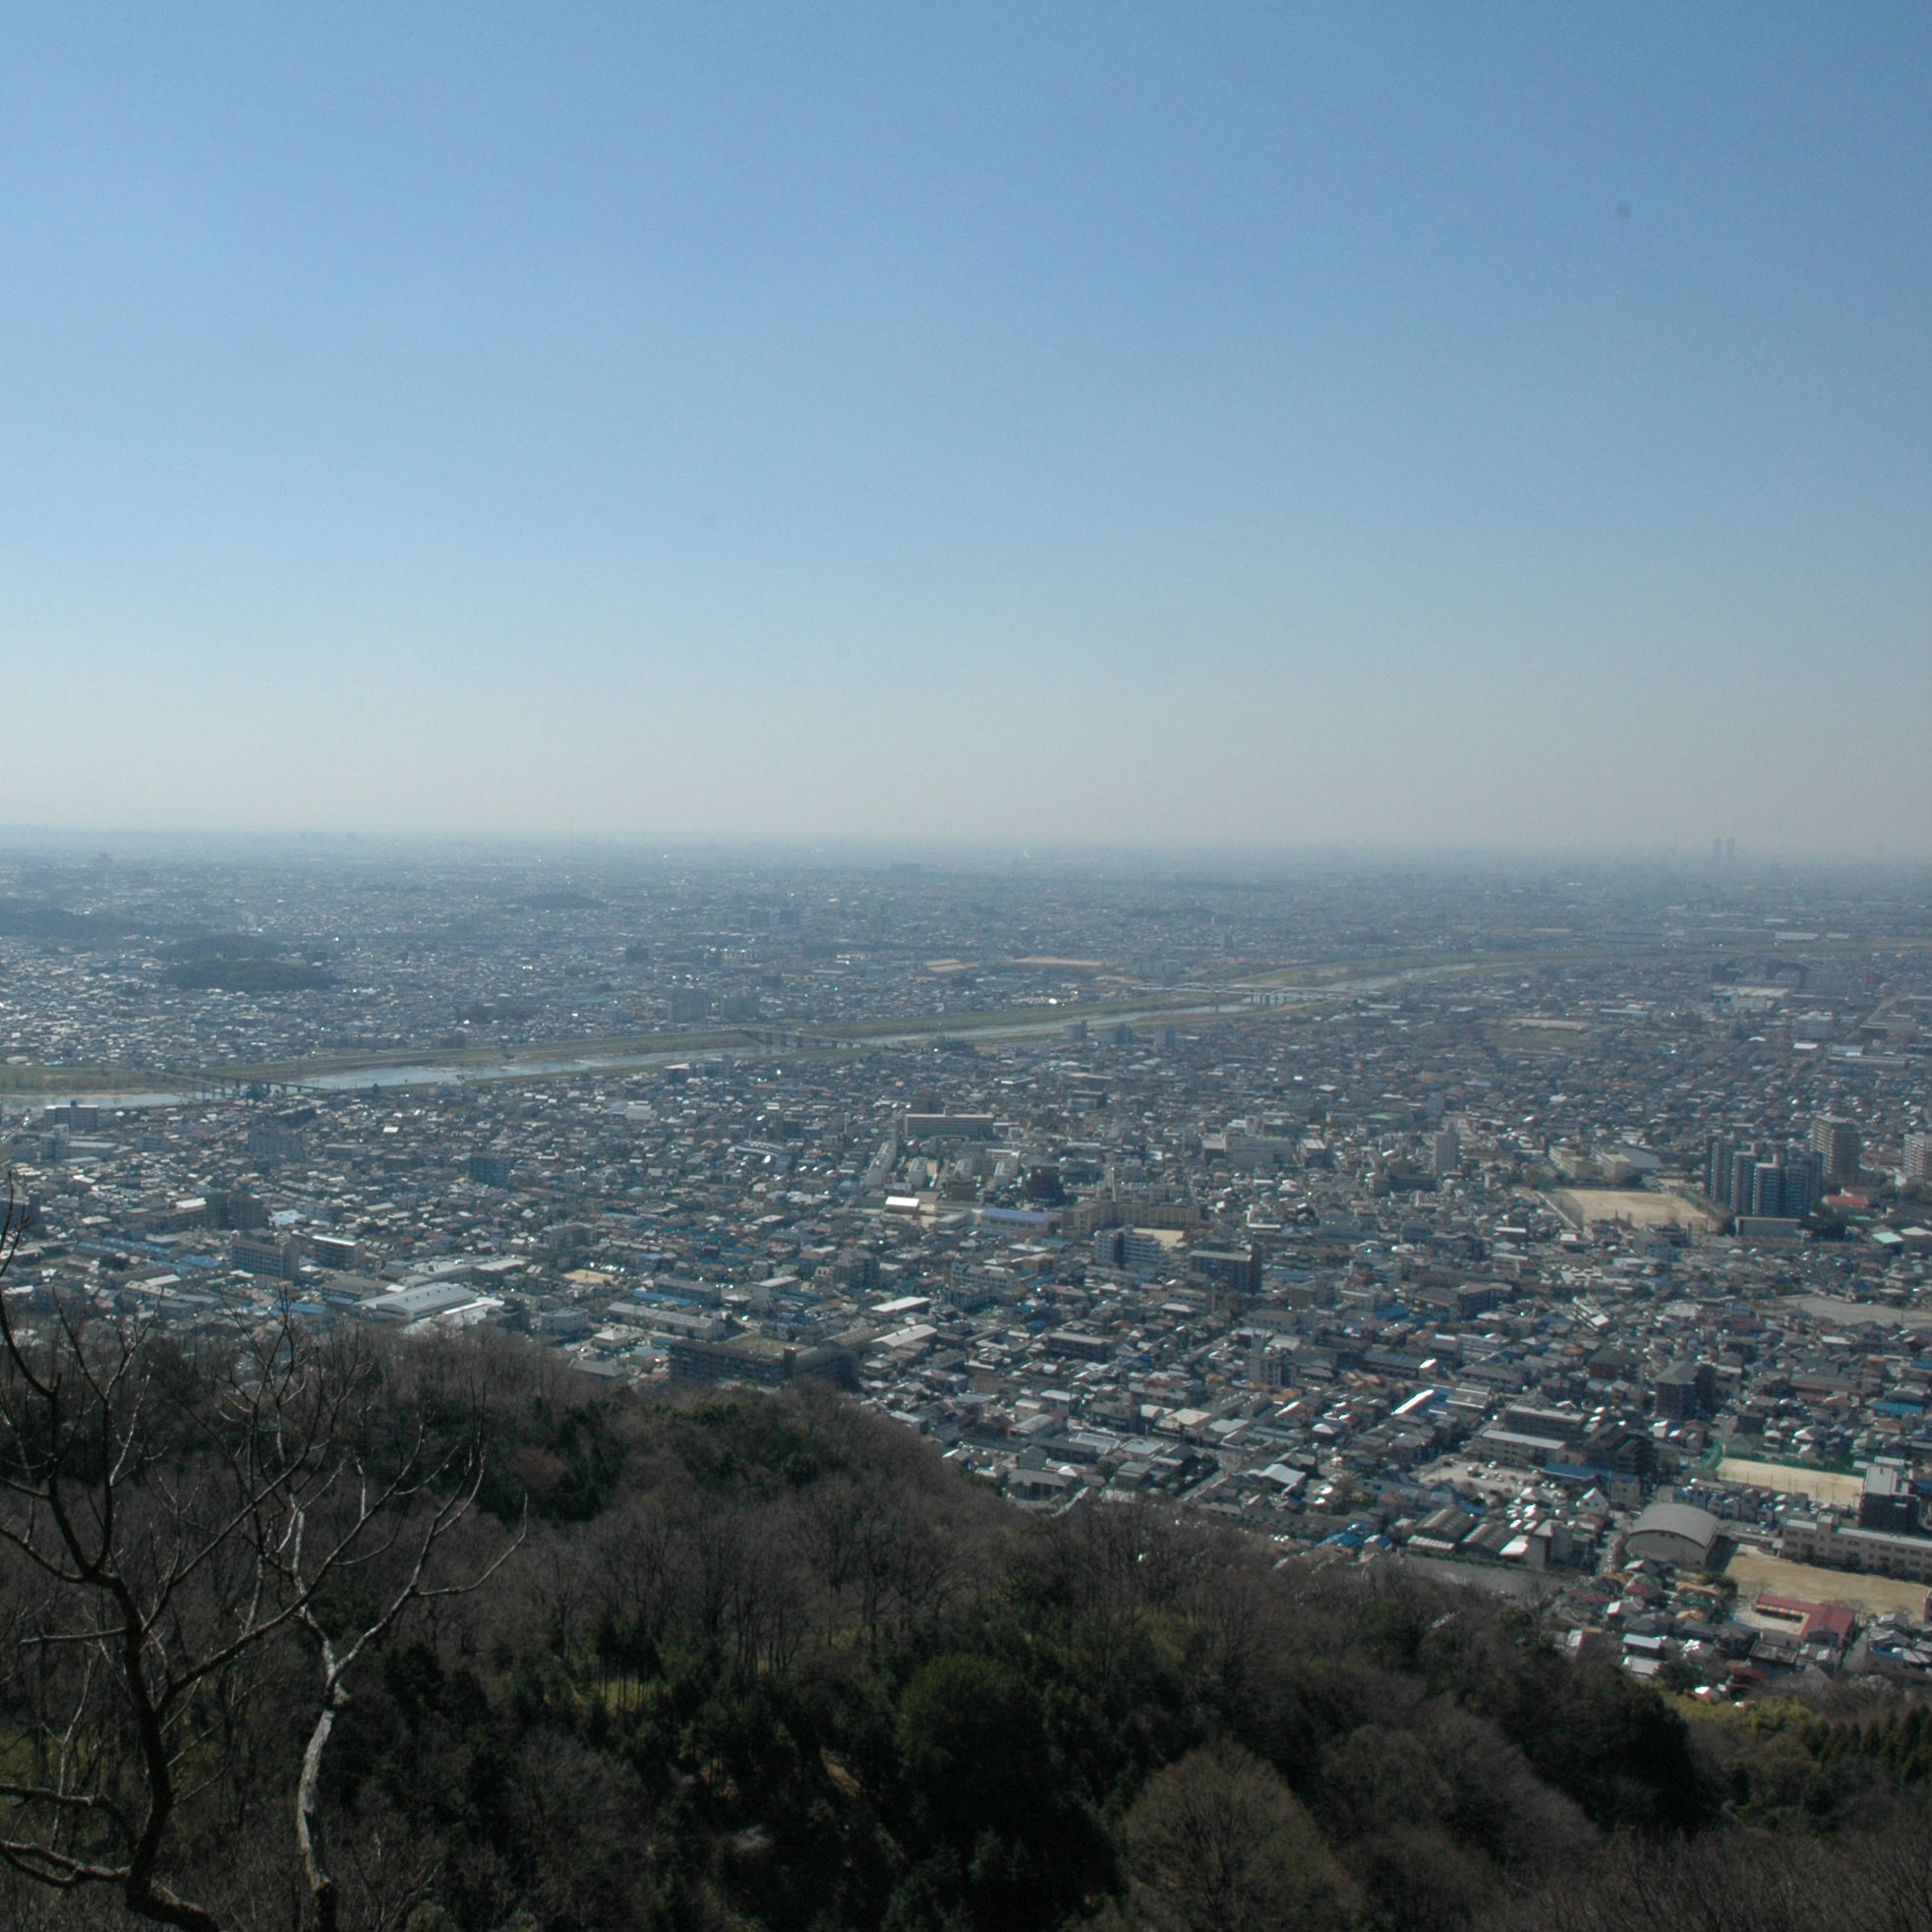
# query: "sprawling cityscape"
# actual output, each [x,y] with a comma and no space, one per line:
[1564,1228]
[966,970]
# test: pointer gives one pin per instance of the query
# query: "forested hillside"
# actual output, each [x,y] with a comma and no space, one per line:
[769,1662]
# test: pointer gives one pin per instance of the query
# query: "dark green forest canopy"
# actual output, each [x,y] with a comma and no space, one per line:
[767,1661]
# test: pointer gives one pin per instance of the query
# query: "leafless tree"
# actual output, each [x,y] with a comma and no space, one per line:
[177,1519]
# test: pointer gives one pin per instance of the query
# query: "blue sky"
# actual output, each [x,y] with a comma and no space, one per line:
[1402,425]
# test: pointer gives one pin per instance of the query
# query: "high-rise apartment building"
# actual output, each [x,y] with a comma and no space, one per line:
[1743,1170]
[1837,1146]
[1717,1169]
[1760,1178]
[1804,1175]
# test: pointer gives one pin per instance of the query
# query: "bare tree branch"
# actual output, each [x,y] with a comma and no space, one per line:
[172,1513]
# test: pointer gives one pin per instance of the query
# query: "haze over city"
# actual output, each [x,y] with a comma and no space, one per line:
[1098,425]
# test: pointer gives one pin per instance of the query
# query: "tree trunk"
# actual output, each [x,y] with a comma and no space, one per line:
[307,1815]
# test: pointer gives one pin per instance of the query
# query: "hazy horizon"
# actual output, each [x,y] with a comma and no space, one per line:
[83,849]
[1391,430]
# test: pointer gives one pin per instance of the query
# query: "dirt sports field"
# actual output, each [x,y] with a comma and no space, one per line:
[1756,1576]
[1635,1208]
[1820,1485]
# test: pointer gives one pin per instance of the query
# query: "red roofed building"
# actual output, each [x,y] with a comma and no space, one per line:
[1818,1619]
